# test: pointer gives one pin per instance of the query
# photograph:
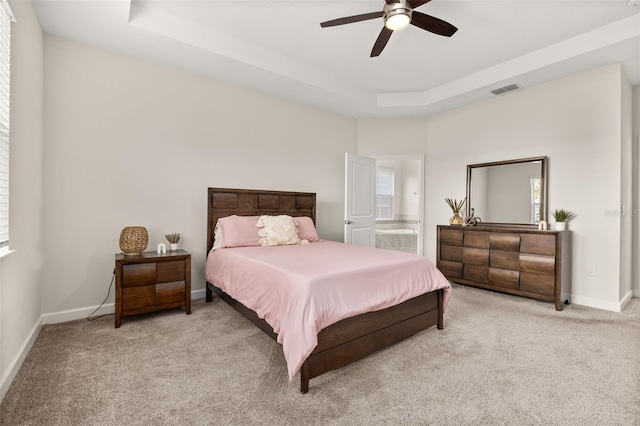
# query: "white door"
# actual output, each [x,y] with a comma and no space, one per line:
[360,201]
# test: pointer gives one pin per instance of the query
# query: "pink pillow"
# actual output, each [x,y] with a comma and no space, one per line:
[239,231]
[306,229]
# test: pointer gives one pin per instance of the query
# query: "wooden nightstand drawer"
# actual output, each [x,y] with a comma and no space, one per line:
[169,292]
[151,282]
[138,274]
[170,271]
[138,297]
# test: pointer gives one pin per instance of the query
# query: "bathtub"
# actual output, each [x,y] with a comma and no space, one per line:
[399,239]
[398,231]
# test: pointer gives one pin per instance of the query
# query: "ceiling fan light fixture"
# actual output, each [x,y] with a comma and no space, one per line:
[397,18]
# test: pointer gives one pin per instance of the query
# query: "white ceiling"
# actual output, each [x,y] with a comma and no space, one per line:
[279,48]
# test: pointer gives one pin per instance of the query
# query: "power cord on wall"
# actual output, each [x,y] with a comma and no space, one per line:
[89,317]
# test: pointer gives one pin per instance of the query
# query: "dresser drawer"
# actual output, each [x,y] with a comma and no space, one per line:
[504,259]
[475,256]
[170,271]
[538,244]
[172,292]
[451,236]
[539,284]
[477,239]
[450,269]
[504,278]
[476,273]
[138,274]
[138,297]
[544,265]
[453,253]
[504,241]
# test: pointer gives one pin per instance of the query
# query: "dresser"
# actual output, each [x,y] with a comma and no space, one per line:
[151,282]
[524,262]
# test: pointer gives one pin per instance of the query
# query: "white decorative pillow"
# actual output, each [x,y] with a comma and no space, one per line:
[278,230]
[217,236]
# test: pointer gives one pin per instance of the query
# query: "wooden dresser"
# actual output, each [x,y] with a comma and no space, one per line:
[151,282]
[525,262]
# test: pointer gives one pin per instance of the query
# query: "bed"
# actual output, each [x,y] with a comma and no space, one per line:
[338,343]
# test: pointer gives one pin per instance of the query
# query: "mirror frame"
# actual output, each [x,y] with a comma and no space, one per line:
[543,195]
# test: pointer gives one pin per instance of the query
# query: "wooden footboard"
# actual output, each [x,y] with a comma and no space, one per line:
[356,337]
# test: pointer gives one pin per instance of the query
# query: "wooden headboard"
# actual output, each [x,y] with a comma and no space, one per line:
[223,202]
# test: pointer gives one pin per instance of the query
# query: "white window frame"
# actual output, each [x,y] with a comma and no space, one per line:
[387,197]
[6,17]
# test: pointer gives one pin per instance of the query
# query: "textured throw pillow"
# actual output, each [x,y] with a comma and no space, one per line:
[238,231]
[306,229]
[217,236]
[278,230]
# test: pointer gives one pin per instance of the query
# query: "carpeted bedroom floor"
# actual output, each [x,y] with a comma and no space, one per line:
[500,360]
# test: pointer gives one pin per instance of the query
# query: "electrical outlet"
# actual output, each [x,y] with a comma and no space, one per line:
[591,269]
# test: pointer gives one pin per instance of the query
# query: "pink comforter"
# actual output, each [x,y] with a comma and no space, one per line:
[301,289]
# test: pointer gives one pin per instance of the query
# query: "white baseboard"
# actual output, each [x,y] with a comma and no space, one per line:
[602,304]
[82,313]
[17,361]
[625,300]
[636,292]
[198,294]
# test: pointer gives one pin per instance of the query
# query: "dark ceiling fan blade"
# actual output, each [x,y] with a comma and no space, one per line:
[432,24]
[351,19]
[417,3]
[381,42]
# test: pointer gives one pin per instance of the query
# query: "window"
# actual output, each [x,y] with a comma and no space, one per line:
[6,16]
[384,193]
[536,184]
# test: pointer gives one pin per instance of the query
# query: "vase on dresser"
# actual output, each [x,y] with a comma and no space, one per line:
[456,219]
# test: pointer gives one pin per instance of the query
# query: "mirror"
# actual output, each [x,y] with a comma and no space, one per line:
[512,192]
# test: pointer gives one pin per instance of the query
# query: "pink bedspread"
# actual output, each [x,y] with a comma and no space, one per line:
[301,289]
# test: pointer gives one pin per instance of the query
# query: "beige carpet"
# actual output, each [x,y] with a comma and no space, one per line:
[501,360]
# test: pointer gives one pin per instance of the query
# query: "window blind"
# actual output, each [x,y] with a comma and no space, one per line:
[384,182]
[6,16]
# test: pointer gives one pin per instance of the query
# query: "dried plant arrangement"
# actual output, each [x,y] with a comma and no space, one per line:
[173,238]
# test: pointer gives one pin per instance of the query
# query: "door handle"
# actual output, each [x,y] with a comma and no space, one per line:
[348,222]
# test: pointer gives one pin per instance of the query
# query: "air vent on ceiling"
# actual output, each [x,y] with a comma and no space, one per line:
[505,89]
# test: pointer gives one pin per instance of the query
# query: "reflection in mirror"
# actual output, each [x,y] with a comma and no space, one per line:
[508,192]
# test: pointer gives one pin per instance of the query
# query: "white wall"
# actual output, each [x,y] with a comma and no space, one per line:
[575,121]
[129,142]
[21,271]
[635,148]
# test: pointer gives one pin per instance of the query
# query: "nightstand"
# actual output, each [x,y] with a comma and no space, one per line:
[151,282]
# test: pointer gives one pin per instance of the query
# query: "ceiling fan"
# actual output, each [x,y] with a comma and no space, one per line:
[397,15]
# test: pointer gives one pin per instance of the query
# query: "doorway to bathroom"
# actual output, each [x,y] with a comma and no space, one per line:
[399,203]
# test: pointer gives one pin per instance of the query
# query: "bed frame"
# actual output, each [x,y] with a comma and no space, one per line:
[347,340]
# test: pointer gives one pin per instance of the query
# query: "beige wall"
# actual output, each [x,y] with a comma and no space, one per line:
[21,271]
[575,121]
[129,142]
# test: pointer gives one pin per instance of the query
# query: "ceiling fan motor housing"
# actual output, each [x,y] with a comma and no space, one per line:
[397,9]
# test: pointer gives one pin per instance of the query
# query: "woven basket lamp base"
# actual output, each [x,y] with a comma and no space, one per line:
[134,240]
